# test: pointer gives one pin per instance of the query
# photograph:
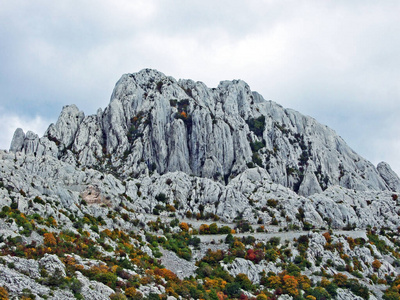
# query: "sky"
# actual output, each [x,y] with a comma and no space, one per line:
[337,61]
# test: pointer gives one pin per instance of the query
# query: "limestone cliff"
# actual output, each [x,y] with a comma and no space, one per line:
[156,123]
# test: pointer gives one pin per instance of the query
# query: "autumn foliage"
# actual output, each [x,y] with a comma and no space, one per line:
[376,264]
[49,239]
[3,293]
[290,285]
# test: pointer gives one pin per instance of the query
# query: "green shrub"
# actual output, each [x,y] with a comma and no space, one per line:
[161,198]
[257,125]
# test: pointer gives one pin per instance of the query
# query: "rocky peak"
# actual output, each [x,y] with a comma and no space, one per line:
[17,142]
[64,131]
[390,177]
[155,123]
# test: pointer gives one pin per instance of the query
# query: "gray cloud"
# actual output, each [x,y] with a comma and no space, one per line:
[334,60]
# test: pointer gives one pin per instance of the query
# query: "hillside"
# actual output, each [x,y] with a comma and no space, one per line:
[100,204]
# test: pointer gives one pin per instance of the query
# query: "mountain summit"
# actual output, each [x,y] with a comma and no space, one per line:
[155,123]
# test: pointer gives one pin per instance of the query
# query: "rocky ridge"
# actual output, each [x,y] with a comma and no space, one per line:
[155,123]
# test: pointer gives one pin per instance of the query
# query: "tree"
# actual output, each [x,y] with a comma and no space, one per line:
[244,282]
[262,296]
[255,255]
[274,282]
[271,255]
[204,229]
[49,239]
[232,289]
[229,239]
[290,285]
[224,230]
[293,270]
[320,293]
[213,228]
[184,226]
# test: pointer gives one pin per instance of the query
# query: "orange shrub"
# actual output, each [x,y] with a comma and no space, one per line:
[340,279]
[167,274]
[351,242]
[204,229]
[325,282]
[107,232]
[274,282]
[262,296]
[217,283]
[49,239]
[184,226]
[304,282]
[132,293]
[221,296]
[3,293]
[376,264]
[327,237]
[290,285]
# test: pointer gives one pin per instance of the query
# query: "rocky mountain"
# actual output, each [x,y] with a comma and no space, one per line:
[169,159]
[155,123]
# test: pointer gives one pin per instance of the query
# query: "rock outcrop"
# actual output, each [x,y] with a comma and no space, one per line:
[155,123]
[390,177]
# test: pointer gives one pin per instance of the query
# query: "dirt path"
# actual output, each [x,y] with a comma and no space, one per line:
[284,236]
[273,231]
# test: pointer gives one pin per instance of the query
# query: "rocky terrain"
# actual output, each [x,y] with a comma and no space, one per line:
[176,190]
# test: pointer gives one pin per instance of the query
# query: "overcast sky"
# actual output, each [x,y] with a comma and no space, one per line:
[337,61]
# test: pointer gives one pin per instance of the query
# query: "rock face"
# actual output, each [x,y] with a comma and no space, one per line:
[390,177]
[155,123]
[17,142]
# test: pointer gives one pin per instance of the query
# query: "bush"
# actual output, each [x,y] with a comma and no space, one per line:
[49,239]
[132,293]
[274,241]
[3,293]
[107,278]
[272,202]
[320,293]
[244,282]
[213,228]
[257,125]
[38,200]
[358,289]
[229,239]
[224,230]
[376,264]
[256,159]
[232,289]
[255,146]
[117,296]
[243,226]
[174,222]
[161,198]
